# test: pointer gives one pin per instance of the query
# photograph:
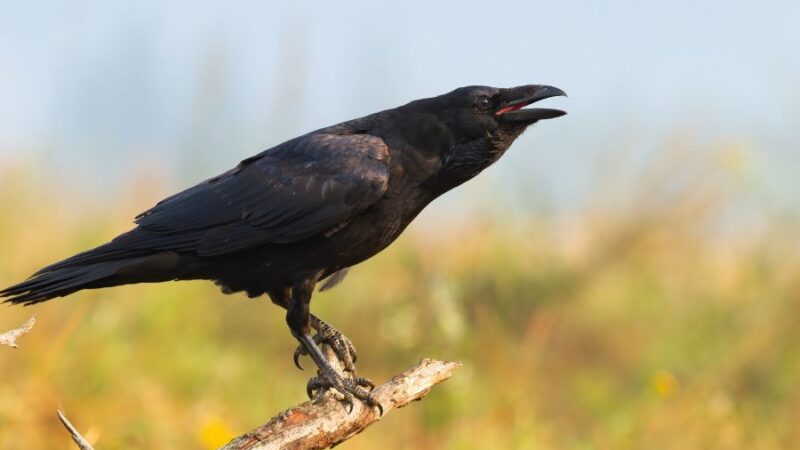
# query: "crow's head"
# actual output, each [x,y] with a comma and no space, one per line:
[475,111]
[475,125]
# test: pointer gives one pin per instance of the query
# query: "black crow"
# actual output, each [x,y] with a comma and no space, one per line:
[306,210]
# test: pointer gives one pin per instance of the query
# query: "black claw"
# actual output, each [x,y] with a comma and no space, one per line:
[309,392]
[370,401]
[296,359]
[348,400]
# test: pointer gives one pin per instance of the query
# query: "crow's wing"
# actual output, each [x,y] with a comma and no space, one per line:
[304,187]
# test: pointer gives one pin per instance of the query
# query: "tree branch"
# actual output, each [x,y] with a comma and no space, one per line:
[325,422]
[9,338]
[79,440]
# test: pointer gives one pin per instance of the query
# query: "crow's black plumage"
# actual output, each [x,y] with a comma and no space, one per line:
[307,210]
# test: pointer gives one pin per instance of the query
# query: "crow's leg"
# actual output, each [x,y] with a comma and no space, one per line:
[326,334]
[339,343]
[298,319]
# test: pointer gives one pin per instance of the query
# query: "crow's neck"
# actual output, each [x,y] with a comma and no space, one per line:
[462,163]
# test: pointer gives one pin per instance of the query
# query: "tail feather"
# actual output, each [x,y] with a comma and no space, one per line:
[60,282]
[133,257]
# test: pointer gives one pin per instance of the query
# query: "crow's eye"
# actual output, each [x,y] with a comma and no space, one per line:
[483,103]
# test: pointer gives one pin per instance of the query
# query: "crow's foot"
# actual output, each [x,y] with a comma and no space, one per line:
[347,388]
[335,339]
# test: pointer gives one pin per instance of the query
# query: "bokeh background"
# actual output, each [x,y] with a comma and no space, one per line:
[627,276]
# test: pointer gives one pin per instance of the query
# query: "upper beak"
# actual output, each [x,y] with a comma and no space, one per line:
[514,99]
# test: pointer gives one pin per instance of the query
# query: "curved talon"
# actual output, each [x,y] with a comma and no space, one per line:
[309,390]
[348,400]
[370,401]
[296,357]
[301,351]
[313,385]
[380,407]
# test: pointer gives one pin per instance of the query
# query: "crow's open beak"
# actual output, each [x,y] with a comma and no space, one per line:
[513,101]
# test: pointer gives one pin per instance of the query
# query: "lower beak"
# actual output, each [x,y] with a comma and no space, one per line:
[511,110]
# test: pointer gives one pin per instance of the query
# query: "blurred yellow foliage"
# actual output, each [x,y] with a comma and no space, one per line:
[665,384]
[215,433]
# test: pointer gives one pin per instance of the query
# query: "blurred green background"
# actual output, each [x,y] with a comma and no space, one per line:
[626,277]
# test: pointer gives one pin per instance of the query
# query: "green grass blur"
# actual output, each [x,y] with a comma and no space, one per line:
[639,321]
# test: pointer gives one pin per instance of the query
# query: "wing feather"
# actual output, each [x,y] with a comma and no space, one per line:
[301,188]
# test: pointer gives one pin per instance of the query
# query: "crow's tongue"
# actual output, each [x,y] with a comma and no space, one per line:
[509,108]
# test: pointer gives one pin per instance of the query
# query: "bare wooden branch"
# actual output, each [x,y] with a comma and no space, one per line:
[79,440]
[324,422]
[9,338]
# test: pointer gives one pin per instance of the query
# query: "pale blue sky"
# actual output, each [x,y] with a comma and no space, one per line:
[112,84]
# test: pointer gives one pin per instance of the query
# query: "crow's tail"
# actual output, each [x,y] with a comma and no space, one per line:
[124,260]
[60,282]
